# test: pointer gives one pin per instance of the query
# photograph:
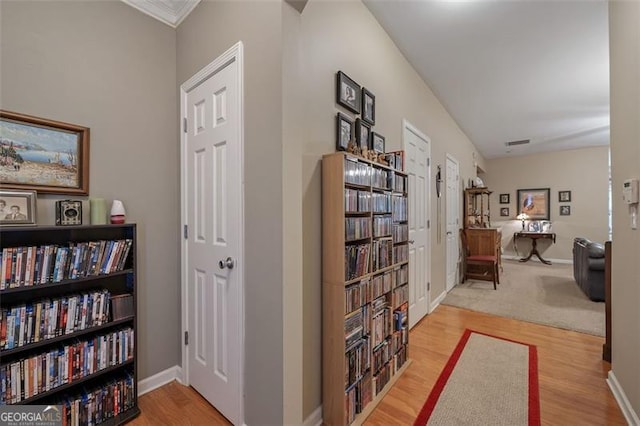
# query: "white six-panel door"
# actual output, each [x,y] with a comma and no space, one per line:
[212,253]
[452,179]
[417,152]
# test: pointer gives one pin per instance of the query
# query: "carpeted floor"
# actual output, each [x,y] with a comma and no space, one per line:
[531,291]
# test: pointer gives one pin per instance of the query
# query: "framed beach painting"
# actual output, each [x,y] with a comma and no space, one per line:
[43,155]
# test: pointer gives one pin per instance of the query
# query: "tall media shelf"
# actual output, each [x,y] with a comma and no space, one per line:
[68,334]
[364,286]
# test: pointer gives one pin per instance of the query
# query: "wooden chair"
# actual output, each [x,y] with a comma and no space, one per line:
[487,265]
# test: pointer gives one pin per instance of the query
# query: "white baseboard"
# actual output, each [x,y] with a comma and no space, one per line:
[437,301]
[623,401]
[535,259]
[315,418]
[160,379]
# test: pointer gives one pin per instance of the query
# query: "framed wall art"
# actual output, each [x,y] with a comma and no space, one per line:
[344,132]
[564,196]
[534,203]
[363,132]
[504,198]
[368,107]
[17,207]
[504,211]
[377,142]
[565,210]
[348,93]
[43,155]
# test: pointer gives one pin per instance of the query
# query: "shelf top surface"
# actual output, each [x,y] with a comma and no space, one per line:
[40,228]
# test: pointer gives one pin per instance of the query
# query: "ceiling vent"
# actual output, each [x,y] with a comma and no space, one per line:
[522,142]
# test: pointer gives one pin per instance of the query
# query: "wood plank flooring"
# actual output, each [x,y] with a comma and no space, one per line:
[572,376]
[571,372]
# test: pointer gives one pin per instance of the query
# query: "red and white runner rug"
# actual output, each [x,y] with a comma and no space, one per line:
[487,381]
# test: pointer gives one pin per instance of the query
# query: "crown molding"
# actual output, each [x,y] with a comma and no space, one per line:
[170,12]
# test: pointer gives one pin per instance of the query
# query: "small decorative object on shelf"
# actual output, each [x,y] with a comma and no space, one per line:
[69,212]
[117,212]
[98,211]
[17,207]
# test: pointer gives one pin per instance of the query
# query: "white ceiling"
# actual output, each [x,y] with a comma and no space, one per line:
[511,70]
[506,70]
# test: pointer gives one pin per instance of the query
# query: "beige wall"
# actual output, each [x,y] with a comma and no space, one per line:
[584,172]
[212,28]
[107,66]
[345,36]
[624,48]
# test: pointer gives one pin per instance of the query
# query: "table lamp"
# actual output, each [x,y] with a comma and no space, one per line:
[522,217]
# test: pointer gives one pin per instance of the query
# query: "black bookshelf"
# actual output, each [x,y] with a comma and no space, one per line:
[120,282]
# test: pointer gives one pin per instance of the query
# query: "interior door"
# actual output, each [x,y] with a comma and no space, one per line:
[452,180]
[417,151]
[212,211]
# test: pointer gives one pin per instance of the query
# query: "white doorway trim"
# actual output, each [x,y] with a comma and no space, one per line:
[457,194]
[235,53]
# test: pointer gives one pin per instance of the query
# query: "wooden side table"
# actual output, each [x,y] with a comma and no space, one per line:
[534,236]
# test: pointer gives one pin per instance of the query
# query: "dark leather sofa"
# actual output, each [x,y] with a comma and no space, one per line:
[588,268]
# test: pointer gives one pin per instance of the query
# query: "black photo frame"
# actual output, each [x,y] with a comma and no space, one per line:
[565,210]
[377,142]
[344,131]
[348,93]
[363,134]
[504,198]
[564,196]
[368,106]
[504,211]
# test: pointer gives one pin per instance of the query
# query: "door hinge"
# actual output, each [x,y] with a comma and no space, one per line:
[186,231]
[428,286]
[184,124]
[428,162]
[186,337]
[428,224]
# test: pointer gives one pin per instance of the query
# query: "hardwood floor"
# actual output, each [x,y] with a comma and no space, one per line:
[175,404]
[572,376]
[571,372]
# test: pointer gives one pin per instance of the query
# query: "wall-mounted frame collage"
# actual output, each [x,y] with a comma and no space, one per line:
[356,132]
[564,197]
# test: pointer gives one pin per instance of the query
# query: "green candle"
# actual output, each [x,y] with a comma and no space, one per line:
[98,209]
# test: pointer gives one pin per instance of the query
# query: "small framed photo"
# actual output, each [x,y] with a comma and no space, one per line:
[377,142]
[363,133]
[348,93]
[504,211]
[17,207]
[565,210]
[368,107]
[504,198]
[534,226]
[564,196]
[344,132]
